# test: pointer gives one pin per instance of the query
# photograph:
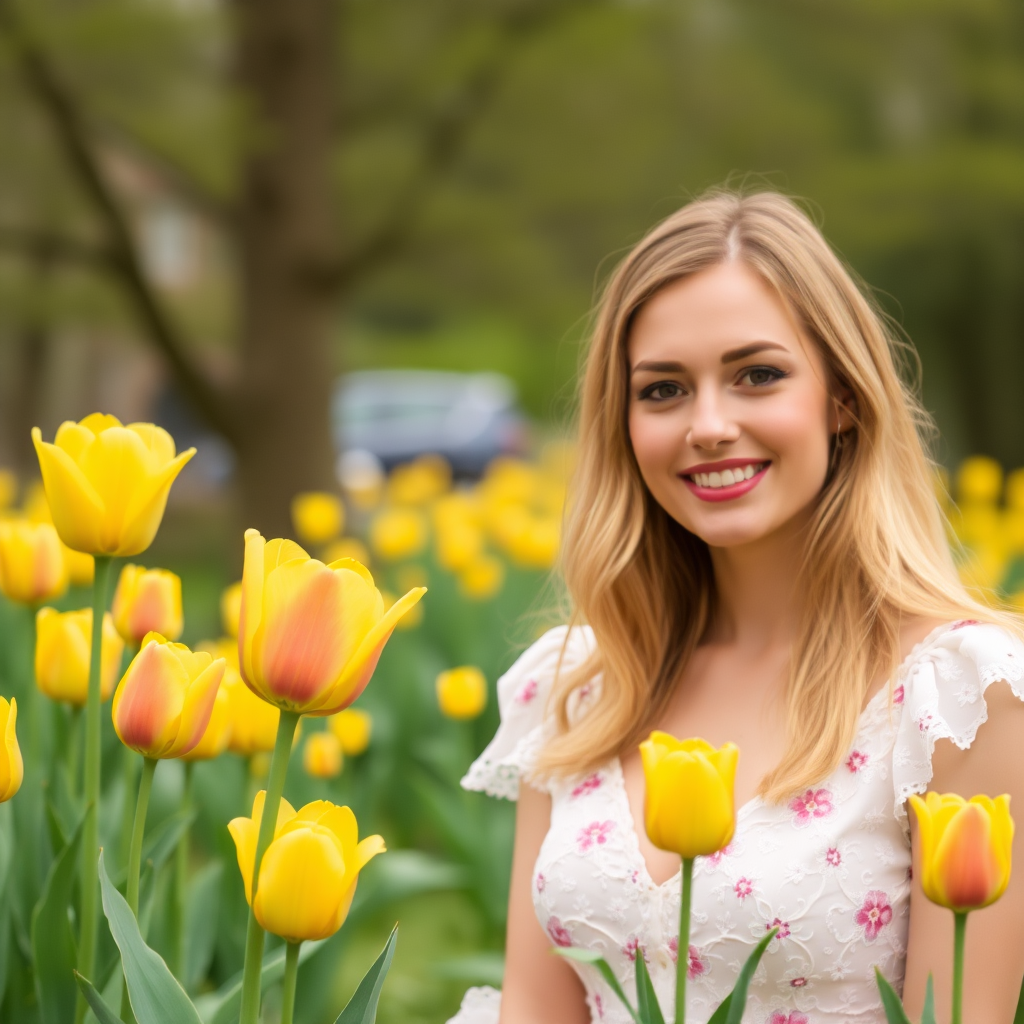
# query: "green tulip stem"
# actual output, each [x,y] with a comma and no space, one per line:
[683,948]
[91,777]
[74,750]
[181,881]
[130,767]
[291,973]
[959,935]
[138,831]
[254,935]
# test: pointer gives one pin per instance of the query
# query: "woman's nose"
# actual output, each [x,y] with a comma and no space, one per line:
[711,424]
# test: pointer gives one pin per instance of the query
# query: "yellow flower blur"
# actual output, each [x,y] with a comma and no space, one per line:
[318,517]
[310,634]
[322,755]
[482,578]
[353,727]
[308,874]
[398,533]
[32,567]
[419,481]
[81,567]
[231,608]
[63,649]
[107,484]
[965,848]
[689,803]
[979,478]
[215,738]
[164,701]
[147,601]
[462,692]
[12,768]
[347,547]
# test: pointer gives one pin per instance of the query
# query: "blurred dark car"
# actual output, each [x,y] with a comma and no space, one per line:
[396,415]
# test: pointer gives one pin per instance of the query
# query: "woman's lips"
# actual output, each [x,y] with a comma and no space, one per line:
[729,491]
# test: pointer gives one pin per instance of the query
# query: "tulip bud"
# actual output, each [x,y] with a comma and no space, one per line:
[12,769]
[107,484]
[147,601]
[310,634]
[164,701]
[321,756]
[215,739]
[689,804]
[318,517]
[462,692]
[965,849]
[398,533]
[230,608]
[353,727]
[308,874]
[32,565]
[63,650]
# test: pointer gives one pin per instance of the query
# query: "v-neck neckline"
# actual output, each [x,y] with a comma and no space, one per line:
[742,812]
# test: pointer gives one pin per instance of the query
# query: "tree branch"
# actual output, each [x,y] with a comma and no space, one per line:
[445,136]
[56,101]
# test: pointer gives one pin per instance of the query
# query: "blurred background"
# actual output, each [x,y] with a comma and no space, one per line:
[321,239]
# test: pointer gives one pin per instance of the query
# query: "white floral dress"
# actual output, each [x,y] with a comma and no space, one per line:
[831,868]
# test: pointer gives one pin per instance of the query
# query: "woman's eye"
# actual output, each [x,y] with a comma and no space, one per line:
[661,391]
[758,376]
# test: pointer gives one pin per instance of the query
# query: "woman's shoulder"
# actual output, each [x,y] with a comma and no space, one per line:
[523,701]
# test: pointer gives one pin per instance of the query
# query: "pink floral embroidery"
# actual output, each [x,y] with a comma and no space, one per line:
[783,926]
[541,881]
[595,832]
[875,914]
[633,947]
[527,691]
[962,623]
[833,856]
[798,983]
[898,694]
[696,962]
[815,803]
[599,1006]
[559,933]
[925,721]
[673,948]
[781,1017]
[588,785]
[856,761]
[743,888]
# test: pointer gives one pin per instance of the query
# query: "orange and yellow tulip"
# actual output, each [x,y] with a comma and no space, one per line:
[164,701]
[689,805]
[310,634]
[147,601]
[63,648]
[215,739]
[308,874]
[32,566]
[107,484]
[965,849]
[12,768]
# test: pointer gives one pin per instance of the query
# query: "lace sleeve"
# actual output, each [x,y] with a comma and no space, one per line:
[479,1006]
[944,698]
[523,693]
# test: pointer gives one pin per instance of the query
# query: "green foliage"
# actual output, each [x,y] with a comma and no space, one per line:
[362,1008]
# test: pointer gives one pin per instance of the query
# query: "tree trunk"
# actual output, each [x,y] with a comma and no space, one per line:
[286,242]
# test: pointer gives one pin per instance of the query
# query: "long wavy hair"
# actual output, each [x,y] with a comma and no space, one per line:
[876,549]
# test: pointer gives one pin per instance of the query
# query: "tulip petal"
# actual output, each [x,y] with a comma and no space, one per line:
[159,443]
[369,848]
[149,700]
[245,833]
[145,510]
[250,613]
[76,506]
[198,707]
[12,768]
[115,463]
[967,871]
[95,423]
[352,566]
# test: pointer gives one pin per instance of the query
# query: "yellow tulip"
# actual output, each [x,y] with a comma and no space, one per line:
[164,701]
[147,601]
[214,740]
[308,874]
[979,478]
[398,533]
[12,769]
[689,805]
[419,481]
[318,517]
[310,634]
[63,648]
[322,755]
[965,848]
[462,692]
[482,578]
[107,484]
[81,567]
[231,608]
[8,489]
[32,565]
[353,727]
[411,619]
[458,544]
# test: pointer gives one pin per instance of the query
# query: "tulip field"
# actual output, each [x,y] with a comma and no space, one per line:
[346,680]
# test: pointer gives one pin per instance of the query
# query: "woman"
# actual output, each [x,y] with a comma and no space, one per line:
[757,553]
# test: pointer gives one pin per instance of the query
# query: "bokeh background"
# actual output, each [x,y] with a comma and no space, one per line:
[219,217]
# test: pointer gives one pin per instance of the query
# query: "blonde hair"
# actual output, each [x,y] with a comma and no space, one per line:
[876,550]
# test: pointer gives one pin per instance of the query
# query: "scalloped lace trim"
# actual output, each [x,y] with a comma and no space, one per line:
[479,1006]
[501,778]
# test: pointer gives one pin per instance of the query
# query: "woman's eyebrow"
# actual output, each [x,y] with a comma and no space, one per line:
[732,356]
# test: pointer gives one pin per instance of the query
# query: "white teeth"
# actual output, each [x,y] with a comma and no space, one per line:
[727,477]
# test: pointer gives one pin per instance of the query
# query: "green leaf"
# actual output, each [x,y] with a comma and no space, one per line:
[155,994]
[53,944]
[201,914]
[894,1012]
[160,842]
[928,1012]
[646,997]
[1018,1017]
[721,1014]
[592,957]
[362,1007]
[738,996]
[104,1014]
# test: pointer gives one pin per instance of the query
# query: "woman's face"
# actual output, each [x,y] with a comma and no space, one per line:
[730,415]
